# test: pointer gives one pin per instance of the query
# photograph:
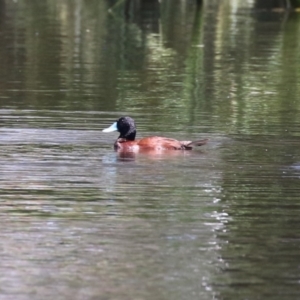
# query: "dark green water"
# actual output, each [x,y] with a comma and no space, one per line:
[78,221]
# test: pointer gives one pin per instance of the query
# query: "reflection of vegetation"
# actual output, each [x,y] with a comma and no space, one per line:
[275,4]
[201,64]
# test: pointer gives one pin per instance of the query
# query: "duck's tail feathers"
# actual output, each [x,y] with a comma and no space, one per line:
[189,145]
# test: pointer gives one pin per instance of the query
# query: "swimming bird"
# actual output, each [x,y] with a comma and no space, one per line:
[127,142]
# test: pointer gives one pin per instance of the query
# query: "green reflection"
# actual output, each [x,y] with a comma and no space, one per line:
[227,71]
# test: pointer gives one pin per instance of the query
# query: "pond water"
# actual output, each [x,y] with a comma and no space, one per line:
[80,221]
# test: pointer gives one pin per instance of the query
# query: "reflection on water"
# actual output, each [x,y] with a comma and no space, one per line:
[86,222]
[73,212]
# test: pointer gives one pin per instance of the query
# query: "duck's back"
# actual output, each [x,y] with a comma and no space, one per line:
[160,143]
[157,143]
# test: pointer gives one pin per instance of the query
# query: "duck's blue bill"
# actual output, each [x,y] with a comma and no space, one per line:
[111,128]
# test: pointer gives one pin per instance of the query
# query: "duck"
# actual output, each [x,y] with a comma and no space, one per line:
[126,141]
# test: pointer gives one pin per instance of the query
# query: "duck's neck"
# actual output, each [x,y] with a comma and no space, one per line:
[129,136]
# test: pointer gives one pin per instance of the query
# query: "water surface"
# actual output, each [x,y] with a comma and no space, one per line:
[79,221]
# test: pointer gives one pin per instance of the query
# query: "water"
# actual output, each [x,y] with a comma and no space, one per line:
[79,221]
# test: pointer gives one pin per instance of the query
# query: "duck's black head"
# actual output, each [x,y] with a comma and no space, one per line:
[126,127]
